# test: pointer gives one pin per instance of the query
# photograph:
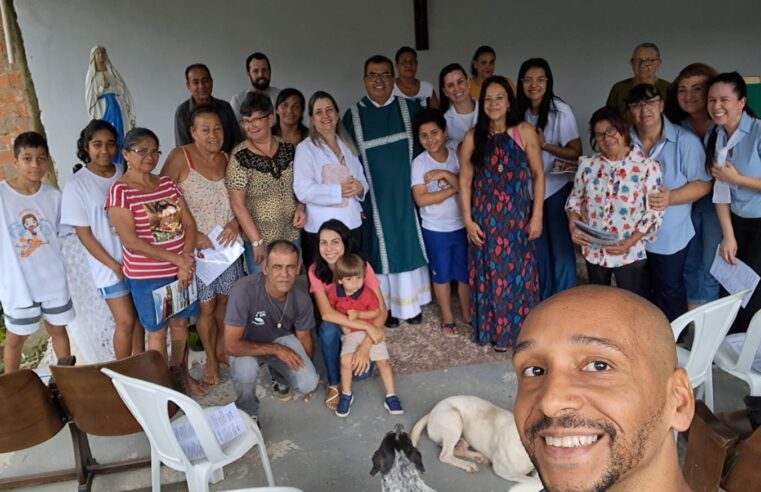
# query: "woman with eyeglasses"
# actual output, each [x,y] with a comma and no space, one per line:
[158,236]
[736,140]
[499,158]
[686,105]
[198,169]
[260,182]
[559,140]
[610,194]
[407,85]
[681,156]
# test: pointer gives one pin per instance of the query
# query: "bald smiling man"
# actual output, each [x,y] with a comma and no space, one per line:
[600,394]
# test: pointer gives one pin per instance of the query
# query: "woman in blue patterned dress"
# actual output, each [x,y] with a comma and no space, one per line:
[499,159]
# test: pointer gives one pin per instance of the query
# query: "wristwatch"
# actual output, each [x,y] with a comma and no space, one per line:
[258,243]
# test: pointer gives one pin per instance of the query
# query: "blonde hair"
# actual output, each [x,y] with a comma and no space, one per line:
[348,266]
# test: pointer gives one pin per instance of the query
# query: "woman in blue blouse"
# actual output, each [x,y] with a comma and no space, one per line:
[738,136]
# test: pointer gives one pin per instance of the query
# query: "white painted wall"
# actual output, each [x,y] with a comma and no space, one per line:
[322,45]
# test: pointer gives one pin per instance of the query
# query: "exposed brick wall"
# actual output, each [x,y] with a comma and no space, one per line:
[18,103]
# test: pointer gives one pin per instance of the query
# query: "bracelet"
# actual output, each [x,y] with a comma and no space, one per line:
[544,145]
[258,243]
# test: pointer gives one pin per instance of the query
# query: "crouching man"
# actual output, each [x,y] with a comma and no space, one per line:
[269,320]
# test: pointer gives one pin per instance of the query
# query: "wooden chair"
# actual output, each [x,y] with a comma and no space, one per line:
[94,407]
[28,416]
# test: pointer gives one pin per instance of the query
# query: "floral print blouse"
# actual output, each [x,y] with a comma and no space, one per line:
[612,196]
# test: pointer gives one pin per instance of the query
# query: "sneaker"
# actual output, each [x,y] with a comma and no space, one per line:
[281,391]
[344,404]
[393,405]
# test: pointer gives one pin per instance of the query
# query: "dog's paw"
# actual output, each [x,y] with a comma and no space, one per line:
[472,468]
[481,459]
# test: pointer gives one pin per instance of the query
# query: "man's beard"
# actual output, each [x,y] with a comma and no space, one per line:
[622,458]
[261,84]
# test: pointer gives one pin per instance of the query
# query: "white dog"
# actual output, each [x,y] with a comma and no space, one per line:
[475,429]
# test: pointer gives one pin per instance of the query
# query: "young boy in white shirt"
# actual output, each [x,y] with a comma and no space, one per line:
[34,283]
[435,187]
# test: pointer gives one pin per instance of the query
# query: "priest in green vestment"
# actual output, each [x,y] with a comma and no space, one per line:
[381,126]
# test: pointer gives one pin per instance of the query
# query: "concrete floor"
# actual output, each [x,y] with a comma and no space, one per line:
[310,448]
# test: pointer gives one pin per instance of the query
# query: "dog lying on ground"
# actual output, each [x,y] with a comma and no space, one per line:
[400,463]
[477,430]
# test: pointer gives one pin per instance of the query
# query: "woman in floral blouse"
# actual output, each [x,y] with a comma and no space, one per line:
[610,194]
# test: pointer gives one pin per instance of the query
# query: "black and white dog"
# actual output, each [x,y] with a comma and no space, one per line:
[399,463]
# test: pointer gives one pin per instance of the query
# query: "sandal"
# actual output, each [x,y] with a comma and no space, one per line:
[499,350]
[449,330]
[331,397]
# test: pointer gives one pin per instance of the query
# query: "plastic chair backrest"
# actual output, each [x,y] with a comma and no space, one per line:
[28,415]
[750,345]
[712,322]
[91,400]
[148,403]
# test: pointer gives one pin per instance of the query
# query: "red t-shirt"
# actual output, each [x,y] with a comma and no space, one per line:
[157,221]
[362,300]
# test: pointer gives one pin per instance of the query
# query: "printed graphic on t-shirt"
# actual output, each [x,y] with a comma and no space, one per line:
[30,232]
[438,185]
[163,219]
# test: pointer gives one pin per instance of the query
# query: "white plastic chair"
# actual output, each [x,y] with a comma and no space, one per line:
[712,322]
[148,404]
[267,489]
[740,365]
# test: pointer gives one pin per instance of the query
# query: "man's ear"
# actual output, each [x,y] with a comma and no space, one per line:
[683,400]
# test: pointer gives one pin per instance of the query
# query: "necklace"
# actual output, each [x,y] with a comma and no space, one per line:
[268,153]
[274,307]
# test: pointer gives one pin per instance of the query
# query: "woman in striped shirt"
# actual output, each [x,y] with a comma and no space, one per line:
[158,237]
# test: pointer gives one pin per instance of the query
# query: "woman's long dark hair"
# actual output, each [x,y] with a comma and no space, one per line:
[481,130]
[443,99]
[546,104]
[321,268]
[741,91]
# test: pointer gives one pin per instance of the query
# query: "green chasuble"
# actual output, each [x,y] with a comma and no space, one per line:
[391,236]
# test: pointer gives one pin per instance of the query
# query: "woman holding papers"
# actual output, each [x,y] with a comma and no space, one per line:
[199,171]
[158,237]
[559,140]
[733,153]
[328,176]
[610,194]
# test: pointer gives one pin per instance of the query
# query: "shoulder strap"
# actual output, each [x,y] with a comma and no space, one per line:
[187,158]
[516,134]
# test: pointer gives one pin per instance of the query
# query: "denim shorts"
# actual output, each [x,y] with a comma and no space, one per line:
[142,296]
[119,289]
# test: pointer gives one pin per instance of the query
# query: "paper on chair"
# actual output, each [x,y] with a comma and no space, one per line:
[225,422]
[212,262]
[736,341]
[735,278]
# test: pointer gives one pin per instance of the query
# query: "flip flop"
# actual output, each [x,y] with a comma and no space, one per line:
[449,330]
[331,397]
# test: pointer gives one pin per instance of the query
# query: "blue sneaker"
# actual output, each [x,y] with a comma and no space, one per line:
[344,404]
[393,405]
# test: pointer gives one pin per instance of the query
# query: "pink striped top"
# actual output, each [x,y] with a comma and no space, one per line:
[157,221]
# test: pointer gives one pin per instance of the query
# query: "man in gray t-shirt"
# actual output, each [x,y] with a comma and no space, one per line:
[270,320]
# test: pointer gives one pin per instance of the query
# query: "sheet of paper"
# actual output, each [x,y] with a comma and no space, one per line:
[735,277]
[225,422]
[211,262]
[170,300]
[736,341]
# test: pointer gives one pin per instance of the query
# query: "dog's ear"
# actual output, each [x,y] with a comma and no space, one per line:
[405,444]
[383,458]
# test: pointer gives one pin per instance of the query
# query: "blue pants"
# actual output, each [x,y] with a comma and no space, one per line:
[700,284]
[330,348]
[554,248]
[667,288]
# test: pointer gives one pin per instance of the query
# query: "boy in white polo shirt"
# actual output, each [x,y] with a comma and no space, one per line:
[435,188]
[34,284]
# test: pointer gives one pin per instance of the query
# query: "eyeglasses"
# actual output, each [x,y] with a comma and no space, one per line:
[252,120]
[146,152]
[609,132]
[532,81]
[639,106]
[384,76]
[644,61]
